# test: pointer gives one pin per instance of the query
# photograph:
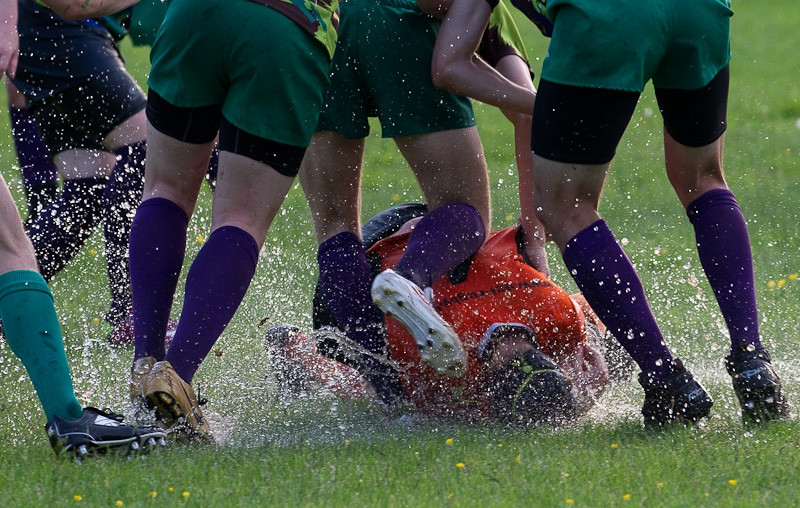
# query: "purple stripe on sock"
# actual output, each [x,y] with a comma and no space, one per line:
[610,284]
[443,238]
[157,248]
[723,245]
[215,286]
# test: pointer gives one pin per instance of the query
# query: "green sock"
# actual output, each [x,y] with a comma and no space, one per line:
[34,335]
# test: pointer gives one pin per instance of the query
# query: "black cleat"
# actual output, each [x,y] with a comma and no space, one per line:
[97,432]
[757,386]
[678,399]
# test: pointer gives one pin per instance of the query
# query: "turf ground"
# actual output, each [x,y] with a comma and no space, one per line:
[320,452]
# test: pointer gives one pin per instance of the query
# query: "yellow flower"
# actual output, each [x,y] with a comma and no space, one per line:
[201,238]
[185,494]
[450,496]
[732,482]
[460,465]
[77,497]
[771,283]
[781,283]
[614,446]
[346,442]
[660,484]
[509,217]
[518,458]
[570,501]
[565,475]
[793,276]
[626,497]
[118,502]
[96,320]
[448,441]
[93,252]
[395,197]
[153,494]
[171,489]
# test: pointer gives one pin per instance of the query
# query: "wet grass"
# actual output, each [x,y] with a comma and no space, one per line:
[319,451]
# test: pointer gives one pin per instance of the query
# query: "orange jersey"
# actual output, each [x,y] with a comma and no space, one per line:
[499,287]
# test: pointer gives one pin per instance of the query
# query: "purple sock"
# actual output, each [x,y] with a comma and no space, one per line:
[37,167]
[39,173]
[610,284]
[120,201]
[157,248]
[724,249]
[443,238]
[215,285]
[59,232]
[345,279]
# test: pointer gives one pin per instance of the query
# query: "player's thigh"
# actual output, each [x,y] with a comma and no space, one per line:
[450,167]
[331,179]
[248,194]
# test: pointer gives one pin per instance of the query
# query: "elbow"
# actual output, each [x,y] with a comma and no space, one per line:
[443,76]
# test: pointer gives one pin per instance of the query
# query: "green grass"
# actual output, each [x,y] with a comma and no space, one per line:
[322,452]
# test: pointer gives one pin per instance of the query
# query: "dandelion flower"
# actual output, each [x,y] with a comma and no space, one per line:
[153,494]
[793,276]
[732,481]
[185,494]
[626,497]
[119,502]
[448,441]
[77,497]
[518,458]
[201,238]
[171,489]
[460,465]
[570,501]
[660,485]
[614,446]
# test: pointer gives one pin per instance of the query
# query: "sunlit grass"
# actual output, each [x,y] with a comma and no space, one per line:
[319,451]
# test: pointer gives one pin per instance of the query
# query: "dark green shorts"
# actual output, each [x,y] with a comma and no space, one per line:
[382,68]
[621,44]
[266,72]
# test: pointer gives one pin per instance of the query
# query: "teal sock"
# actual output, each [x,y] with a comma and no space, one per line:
[34,335]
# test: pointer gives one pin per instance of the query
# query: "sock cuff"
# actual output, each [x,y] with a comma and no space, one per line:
[237,236]
[166,205]
[586,243]
[22,280]
[344,239]
[711,199]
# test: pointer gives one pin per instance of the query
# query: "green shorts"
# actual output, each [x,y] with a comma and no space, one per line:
[621,44]
[382,67]
[265,70]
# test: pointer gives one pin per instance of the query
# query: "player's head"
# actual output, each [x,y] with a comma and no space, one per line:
[526,387]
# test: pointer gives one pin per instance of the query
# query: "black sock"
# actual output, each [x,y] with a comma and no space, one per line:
[59,231]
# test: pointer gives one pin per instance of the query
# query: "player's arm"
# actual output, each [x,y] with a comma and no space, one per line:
[9,39]
[456,67]
[84,9]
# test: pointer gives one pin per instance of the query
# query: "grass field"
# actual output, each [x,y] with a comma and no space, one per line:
[322,452]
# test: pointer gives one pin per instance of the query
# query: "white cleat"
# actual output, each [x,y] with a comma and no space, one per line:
[438,343]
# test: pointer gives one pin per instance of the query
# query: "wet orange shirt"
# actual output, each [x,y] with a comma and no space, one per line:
[499,287]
